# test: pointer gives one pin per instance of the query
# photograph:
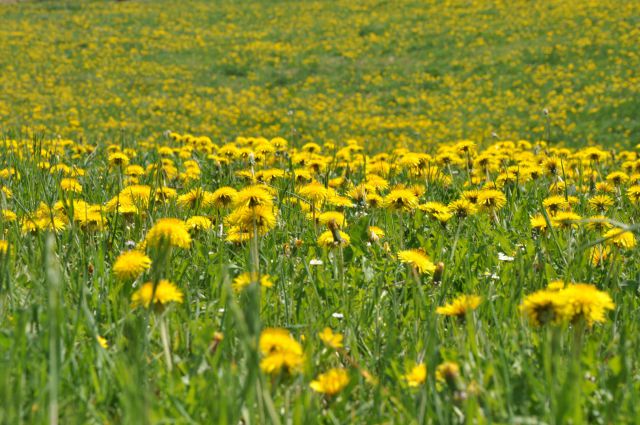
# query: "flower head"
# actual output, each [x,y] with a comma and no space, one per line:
[544,306]
[620,238]
[170,230]
[330,382]
[334,239]
[245,279]
[401,199]
[163,293]
[491,199]
[417,259]
[416,376]
[331,339]
[223,197]
[460,306]
[131,264]
[280,351]
[587,302]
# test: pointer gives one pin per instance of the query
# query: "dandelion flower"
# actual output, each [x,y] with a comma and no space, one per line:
[171,230]
[565,220]
[375,233]
[538,223]
[245,279]
[333,239]
[544,306]
[416,376]
[224,196]
[620,238]
[314,192]
[165,292]
[417,259]
[491,199]
[131,264]
[448,372]
[331,382]
[460,306]
[401,199]
[587,302]
[253,196]
[280,351]
[601,203]
[198,223]
[331,339]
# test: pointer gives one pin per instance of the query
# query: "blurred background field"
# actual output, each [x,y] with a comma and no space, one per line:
[403,72]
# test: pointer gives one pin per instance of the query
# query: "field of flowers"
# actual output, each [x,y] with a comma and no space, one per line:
[320,212]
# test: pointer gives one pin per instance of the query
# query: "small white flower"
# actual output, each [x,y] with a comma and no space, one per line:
[338,315]
[491,275]
[315,262]
[504,257]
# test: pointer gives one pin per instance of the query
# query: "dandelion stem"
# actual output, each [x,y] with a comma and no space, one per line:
[164,336]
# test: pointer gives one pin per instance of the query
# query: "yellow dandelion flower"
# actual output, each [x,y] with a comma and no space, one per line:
[416,376]
[417,259]
[331,339]
[171,231]
[448,372]
[565,220]
[491,199]
[462,208]
[199,223]
[333,239]
[617,178]
[401,199]
[460,306]
[538,223]
[70,185]
[131,264]
[375,233]
[245,279]
[314,192]
[584,301]
[544,306]
[102,342]
[620,238]
[600,223]
[599,254]
[330,382]
[224,196]
[554,204]
[601,203]
[281,351]
[118,159]
[261,216]
[633,193]
[8,215]
[332,217]
[252,196]
[163,293]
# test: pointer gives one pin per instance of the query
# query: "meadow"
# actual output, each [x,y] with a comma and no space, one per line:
[319,212]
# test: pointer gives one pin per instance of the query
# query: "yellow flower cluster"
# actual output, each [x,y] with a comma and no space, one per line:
[572,303]
[265,83]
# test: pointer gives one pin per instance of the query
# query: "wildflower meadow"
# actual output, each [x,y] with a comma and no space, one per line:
[333,212]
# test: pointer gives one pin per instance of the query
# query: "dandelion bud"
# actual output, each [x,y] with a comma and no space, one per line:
[438,272]
[217,339]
